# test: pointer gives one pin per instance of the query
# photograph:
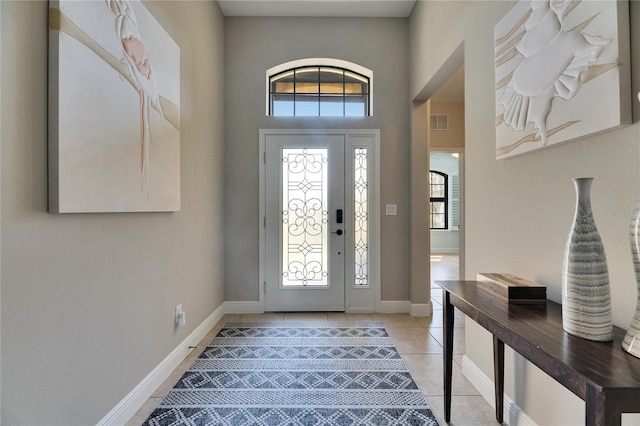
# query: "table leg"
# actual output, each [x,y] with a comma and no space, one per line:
[498,377]
[448,315]
[600,410]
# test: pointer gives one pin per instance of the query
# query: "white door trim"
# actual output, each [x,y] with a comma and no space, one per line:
[374,244]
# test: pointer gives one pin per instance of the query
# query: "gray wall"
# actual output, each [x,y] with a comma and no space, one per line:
[518,211]
[253,45]
[88,300]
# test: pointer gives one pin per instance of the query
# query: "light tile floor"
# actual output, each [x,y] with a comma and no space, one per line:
[419,341]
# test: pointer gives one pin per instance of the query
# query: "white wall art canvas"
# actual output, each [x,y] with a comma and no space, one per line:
[114,109]
[561,71]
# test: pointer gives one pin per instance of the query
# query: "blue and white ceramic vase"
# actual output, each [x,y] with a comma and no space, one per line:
[586,296]
[631,342]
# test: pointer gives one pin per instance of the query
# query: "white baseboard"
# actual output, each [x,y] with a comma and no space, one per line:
[514,415]
[393,307]
[404,307]
[445,251]
[420,310]
[131,403]
[243,308]
[360,311]
[385,306]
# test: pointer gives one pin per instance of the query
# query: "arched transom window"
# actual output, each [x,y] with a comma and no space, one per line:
[319,87]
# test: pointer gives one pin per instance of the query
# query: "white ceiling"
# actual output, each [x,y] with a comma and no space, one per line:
[318,8]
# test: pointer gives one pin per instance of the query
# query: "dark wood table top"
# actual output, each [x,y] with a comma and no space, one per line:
[535,331]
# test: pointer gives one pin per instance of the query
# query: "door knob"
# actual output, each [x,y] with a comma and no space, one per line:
[339,232]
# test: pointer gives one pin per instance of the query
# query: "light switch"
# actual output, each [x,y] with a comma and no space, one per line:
[392,209]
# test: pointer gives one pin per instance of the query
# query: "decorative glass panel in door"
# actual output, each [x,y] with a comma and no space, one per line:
[305,218]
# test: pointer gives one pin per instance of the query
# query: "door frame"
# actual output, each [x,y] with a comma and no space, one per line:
[461,229]
[353,296]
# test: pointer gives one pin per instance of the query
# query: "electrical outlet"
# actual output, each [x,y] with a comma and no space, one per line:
[178,310]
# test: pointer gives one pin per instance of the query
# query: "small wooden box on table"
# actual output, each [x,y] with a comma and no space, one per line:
[512,289]
[602,374]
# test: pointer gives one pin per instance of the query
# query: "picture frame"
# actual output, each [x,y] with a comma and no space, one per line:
[114,109]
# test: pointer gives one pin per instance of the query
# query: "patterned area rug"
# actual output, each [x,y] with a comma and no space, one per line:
[294,374]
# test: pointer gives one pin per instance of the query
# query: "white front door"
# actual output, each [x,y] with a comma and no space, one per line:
[320,236]
[305,223]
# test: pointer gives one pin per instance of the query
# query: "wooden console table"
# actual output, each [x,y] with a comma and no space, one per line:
[602,374]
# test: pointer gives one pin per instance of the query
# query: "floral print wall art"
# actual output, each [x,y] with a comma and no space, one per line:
[562,72]
[114,109]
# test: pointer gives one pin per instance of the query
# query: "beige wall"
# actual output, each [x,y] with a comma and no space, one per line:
[453,138]
[254,45]
[88,299]
[518,211]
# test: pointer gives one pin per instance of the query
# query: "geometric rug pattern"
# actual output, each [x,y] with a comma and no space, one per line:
[299,374]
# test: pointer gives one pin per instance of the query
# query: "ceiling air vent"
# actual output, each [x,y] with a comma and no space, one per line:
[439,122]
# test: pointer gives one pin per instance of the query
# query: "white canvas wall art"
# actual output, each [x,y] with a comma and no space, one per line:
[114,109]
[561,71]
